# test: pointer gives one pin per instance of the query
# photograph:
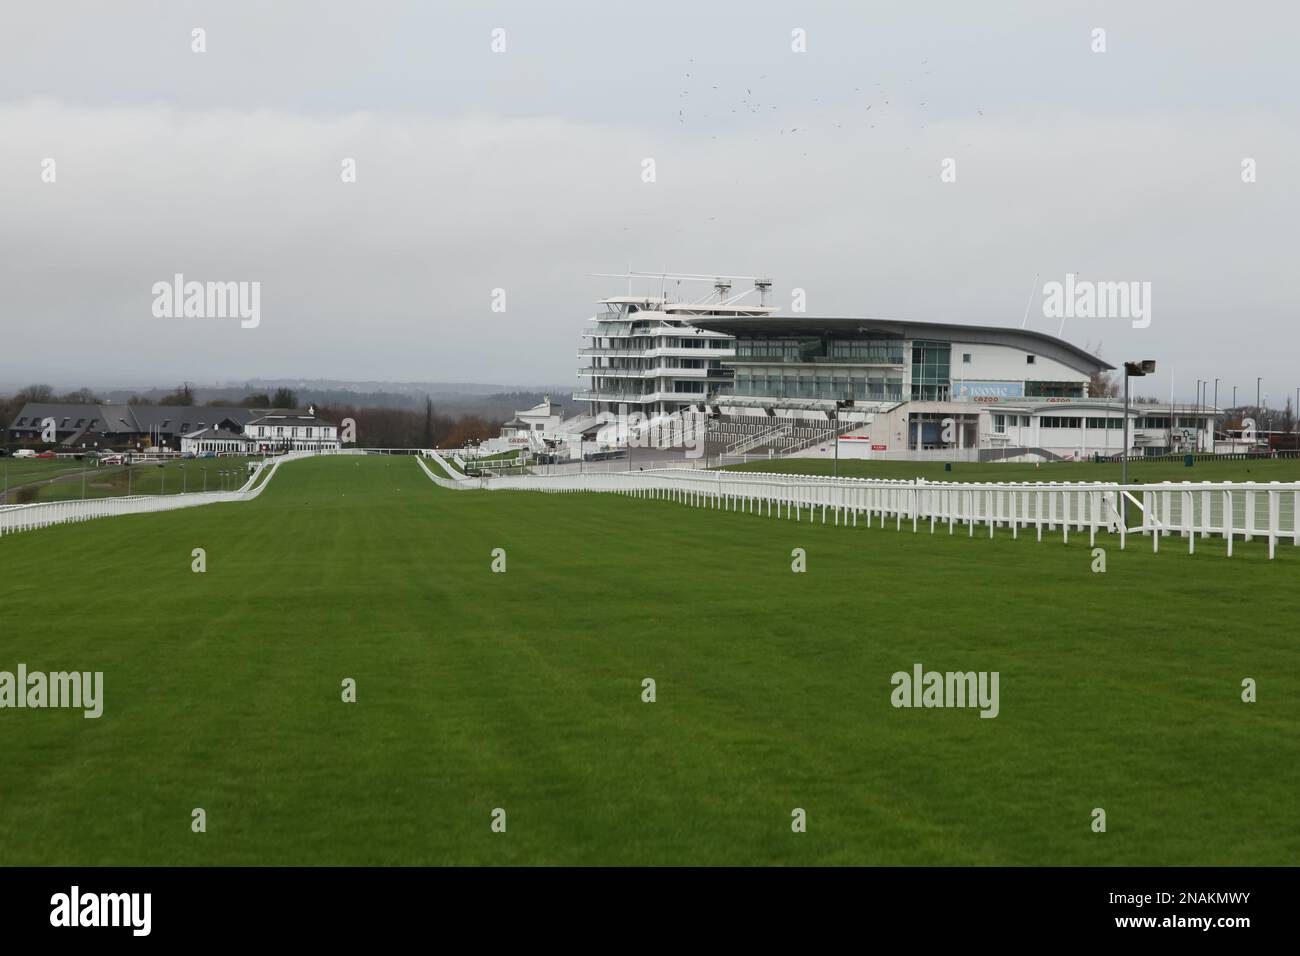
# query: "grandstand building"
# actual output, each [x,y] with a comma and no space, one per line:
[894,389]
[651,355]
[860,387]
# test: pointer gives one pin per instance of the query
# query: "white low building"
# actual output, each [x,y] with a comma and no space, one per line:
[221,441]
[292,431]
[542,418]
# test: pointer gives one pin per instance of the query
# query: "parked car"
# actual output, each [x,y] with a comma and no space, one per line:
[207,454]
[47,454]
[24,453]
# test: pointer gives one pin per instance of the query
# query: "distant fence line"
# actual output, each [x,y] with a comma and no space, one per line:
[15,518]
[1230,510]
[1208,456]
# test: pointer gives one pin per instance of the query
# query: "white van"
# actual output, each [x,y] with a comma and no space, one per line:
[24,453]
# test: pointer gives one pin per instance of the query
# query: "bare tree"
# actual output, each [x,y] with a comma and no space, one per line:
[35,393]
[1102,384]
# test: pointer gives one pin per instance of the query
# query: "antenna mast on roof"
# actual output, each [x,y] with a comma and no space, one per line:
[764,286]
[722,287]
[1025,321]
[1061,331]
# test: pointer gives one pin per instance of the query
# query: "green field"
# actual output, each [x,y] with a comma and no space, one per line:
[19,471]
[522,690]
[62,479]
[1265,469]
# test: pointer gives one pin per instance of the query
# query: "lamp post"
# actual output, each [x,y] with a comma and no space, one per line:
[1214,419]
[1134,370]
[1197,408]
[835,430]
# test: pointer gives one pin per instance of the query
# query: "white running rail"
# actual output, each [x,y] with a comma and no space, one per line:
[15,518]
[1229,510]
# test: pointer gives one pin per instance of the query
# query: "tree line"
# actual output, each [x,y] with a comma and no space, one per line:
[374,427]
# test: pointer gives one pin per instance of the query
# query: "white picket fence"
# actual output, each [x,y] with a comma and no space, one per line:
[1230,510]
[15,518]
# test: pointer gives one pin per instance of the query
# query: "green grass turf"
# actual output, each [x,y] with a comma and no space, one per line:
[20,471]
[522,690]
[1278,469]
[171,478]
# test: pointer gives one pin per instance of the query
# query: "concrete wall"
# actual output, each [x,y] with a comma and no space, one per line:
[999,363]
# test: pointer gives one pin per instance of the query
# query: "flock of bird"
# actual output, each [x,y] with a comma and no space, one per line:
[717,103]
[714,103]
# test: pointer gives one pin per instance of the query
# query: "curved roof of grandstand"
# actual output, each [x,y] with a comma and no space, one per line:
[779,325]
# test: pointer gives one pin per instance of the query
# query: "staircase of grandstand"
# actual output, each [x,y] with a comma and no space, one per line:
[745,433]
[749,433]
[823,435]
[768,436]
[669,432]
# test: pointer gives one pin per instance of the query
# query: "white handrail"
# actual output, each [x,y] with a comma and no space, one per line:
[1230,510]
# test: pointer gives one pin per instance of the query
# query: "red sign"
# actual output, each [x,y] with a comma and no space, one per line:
[879,447]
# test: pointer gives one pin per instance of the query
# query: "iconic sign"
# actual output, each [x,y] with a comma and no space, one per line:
[977,391]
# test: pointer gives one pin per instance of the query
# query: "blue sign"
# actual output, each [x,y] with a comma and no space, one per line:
[976,390]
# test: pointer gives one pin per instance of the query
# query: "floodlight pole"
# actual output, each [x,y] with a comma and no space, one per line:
[835,437]
[1214,420]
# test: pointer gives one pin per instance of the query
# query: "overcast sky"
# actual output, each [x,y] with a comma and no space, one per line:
[523,170]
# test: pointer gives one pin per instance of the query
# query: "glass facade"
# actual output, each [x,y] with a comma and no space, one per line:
[1053,389]
[826,384]
[930,371]
[866,351]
